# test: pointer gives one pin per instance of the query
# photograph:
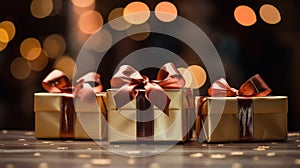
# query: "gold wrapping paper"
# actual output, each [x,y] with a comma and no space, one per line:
[175,127]
[90,122]
[269,119]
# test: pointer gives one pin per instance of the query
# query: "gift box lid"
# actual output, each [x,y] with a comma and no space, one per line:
[229,105]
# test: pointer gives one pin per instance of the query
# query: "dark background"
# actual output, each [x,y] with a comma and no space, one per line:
[273,51]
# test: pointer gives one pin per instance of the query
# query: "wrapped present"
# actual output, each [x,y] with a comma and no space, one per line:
[250,115]
[140,110]
[80,114]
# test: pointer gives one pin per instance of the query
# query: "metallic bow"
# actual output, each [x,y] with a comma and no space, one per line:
[254,86]
[130,82]
[58,82]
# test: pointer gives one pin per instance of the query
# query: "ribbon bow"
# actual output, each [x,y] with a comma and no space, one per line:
[58,82]
[130,81]
[254,86]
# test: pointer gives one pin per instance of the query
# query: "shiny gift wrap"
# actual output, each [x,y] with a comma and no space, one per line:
[173,127]
[57,116]
[265,119]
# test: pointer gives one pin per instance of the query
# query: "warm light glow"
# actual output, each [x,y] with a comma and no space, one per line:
[199,76]
[83,3]
[78,11]
[116,20]
[3,46]
[54,45]
[270,14]
[244,15]
[100,41]
[41,8]
[10,29]
[40,63]
[30,48]
[57,6]
[187,75]
[136,13]
[166,11]
[90,21]
[3,36]
[20,68]
[144,28]
[65,64]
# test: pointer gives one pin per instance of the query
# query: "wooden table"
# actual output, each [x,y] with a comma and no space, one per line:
[21,149]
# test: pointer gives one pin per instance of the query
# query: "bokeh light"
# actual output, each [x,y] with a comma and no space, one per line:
[119,23]
[134,30]
[166,11]
[187,75]
[65,64]
[100,41]
[3,46]
[40,63]
[20,68]
[244,15]
[54,45]
[136,13]
[10,29]
[199,76]
[41,8]
[57,6]
[3,36]
[30,48]
[270,14]
[90,21]
[82,3]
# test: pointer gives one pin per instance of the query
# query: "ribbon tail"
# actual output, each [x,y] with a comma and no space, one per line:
[157,96]
[124,95]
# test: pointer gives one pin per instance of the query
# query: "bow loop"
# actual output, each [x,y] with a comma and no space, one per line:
[254,86]
[130,82]
[84,89]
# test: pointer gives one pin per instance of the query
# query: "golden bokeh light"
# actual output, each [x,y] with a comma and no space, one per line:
[116,20]
[187,75]
[199,76]
[83,3]
[20,68]
[270,14]
[90,21]
[65,64]
[41,8]
[10,29]
[4,38]
[78,11]
[245,15]
[165,11]
[40,63]
[57,7]
[30,48]
[54,45]
[3,46]
[136,13]
[100,41]
[133,32]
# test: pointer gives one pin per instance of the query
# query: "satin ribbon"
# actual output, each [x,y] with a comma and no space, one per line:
[130,81]
[254,86]
[58,82]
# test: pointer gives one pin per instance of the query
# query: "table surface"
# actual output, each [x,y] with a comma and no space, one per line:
[22,149]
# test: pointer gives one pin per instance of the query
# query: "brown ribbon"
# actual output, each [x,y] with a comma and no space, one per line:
[132,85]
[253,87]
[58,82]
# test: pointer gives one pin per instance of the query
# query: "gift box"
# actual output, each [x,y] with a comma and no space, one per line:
[126,123]
[246,114]
[58,115]
[242,119]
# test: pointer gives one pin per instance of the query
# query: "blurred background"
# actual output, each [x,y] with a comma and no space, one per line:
[37,36]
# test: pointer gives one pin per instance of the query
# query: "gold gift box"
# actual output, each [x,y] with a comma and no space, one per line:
[175,127]
[269,119]
[89,123]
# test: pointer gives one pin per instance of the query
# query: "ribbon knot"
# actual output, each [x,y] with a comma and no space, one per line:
[254,86]
[58,82]
[131,82]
